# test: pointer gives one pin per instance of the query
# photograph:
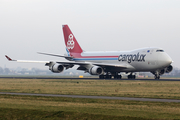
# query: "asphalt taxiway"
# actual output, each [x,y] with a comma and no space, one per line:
[94,97]
[91,78]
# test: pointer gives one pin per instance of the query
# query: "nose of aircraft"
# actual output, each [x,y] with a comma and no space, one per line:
[169,60]
[165,60]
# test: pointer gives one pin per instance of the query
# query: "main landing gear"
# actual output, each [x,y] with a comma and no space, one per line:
[105,76]
[109,76]
[131,76]
[115,76]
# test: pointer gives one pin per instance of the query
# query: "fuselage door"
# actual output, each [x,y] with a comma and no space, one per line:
[153,58]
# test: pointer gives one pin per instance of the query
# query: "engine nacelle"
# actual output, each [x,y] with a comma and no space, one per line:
[57,68]
[96,70]
[162,72]
[169,69]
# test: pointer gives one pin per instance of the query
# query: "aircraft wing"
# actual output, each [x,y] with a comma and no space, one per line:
[26,61]
[110,65]
[49,62]
[71,63]
[91,63]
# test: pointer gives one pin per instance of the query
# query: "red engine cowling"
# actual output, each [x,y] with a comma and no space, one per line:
[96,70]
[57,68]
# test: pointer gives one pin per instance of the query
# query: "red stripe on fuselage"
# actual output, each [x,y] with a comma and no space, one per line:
[78,55]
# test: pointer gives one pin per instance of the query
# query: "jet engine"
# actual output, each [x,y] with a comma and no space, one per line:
[169,69]
[165,70]
[57,68]
[96,70]
[162,72]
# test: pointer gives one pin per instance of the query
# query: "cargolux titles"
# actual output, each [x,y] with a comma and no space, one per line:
[132,57]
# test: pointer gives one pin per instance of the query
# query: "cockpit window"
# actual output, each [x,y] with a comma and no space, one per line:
[159,50]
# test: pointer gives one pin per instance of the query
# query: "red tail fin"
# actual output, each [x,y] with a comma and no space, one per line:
[70,41]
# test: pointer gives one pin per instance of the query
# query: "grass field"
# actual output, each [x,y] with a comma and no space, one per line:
[28,107]
[33,107]
[148,89]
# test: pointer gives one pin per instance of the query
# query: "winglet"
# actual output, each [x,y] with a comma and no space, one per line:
[8,58]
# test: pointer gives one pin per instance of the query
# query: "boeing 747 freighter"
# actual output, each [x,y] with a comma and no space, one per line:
[109,64]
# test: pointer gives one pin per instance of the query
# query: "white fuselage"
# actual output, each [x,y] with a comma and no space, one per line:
[146,59]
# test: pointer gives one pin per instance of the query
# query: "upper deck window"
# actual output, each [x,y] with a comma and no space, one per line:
[159,50]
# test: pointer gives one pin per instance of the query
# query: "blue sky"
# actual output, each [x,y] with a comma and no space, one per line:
[31,26]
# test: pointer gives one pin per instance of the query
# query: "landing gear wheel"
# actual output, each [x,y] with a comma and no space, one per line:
[157,77]
[101,76]
[105,76]
[131,76]
[117,76]
[108,76]
[156,74]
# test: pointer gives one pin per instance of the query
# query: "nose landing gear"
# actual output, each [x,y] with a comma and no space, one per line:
[156,74]
[156,77]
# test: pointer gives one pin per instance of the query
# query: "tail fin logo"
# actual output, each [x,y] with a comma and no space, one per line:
[70,43]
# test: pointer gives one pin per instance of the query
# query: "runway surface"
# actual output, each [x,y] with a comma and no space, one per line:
[94,97]
[90,78]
